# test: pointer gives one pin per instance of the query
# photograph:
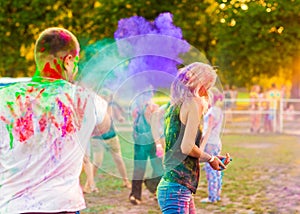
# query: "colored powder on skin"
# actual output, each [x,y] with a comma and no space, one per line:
[75,64]
[66,37]
[50,72]
[57,66]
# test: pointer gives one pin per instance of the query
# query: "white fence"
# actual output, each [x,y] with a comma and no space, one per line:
[283,116]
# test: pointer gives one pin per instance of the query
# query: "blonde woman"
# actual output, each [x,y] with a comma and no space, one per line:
[189,93]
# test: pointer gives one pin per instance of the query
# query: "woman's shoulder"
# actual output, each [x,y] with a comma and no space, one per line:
[190,102]
[193,104]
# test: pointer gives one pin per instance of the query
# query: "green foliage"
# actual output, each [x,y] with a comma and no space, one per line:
[243,38]
[261,39]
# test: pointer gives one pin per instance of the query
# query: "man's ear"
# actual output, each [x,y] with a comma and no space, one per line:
[67,61]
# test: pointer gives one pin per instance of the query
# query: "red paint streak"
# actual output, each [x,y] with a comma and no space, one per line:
[50,72]
[67,126]
[30,89]
[57,66]
[53,120]
[43,122]
[4,119]
[20,104]
[79,110]
[40,93]
[42,49]
[11,110]
[57,148]
[65,36]
[24,127]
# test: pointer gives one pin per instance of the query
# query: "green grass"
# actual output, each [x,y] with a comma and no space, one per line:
[256,158]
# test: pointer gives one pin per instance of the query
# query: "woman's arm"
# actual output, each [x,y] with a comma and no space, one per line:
[189,115]
[103,127]
[150,109]
[156,128]
[191,112]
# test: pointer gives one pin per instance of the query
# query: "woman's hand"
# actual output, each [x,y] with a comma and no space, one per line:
[159,151]
[217,164]
[227,158]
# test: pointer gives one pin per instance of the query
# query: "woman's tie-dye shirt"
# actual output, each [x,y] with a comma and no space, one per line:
[179,167]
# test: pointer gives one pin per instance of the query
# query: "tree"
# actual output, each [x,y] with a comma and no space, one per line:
[22,20]
[244,38]
[256,37]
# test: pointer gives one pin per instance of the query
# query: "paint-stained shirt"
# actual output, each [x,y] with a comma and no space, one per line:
[217,114]
[45,127]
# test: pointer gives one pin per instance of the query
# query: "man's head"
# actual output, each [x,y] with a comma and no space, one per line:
[56,54]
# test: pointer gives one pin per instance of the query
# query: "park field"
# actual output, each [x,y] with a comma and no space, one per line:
[264,177]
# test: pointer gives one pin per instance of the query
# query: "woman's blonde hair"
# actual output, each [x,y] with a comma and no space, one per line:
[190,80]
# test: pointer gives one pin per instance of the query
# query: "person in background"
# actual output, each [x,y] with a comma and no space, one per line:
[108,140]
[273,97]
[284,95]
[189,93]
[144,145]
[116,110]
[228,103]
[234,95]
[45,125]
[290,113]
[213,121]
[157,129]
[255,107]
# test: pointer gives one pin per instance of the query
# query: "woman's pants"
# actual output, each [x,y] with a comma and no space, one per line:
[175,198]
[214,177]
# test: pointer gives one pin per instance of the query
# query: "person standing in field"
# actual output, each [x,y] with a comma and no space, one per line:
[213,121]
[110,140]
[189,93]
[255,107]
[144,145]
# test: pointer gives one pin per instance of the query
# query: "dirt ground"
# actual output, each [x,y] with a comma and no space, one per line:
[284,189]
[282,193]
